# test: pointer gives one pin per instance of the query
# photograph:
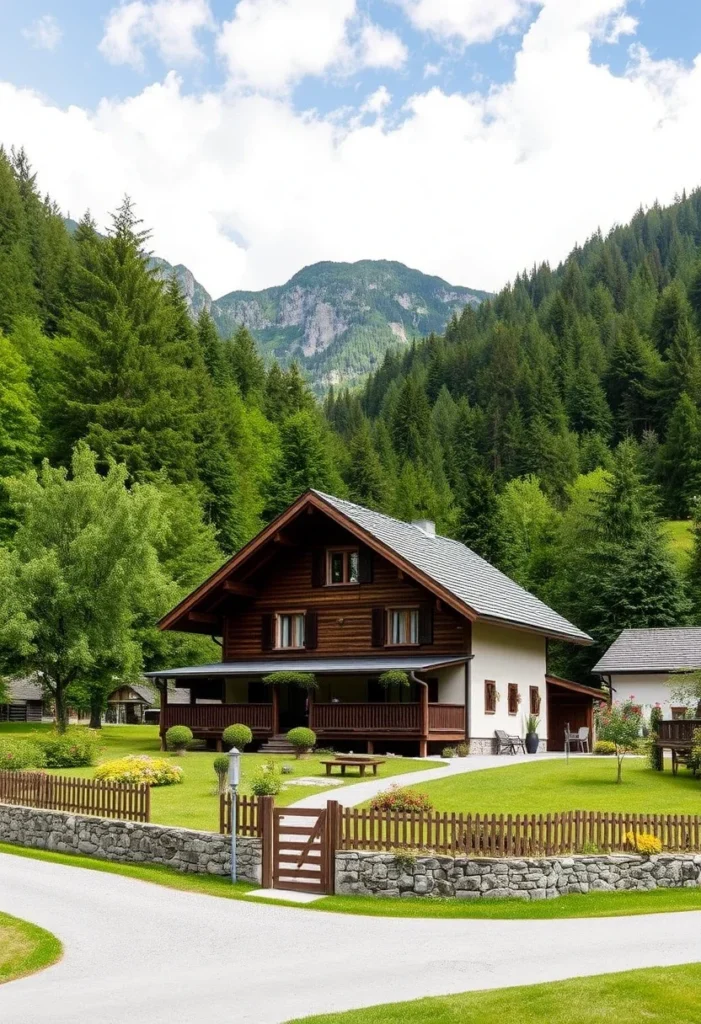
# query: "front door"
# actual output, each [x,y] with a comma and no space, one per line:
[294,707]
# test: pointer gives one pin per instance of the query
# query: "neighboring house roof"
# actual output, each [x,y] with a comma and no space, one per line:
[25,689]
[320,666]
[452,571]
[143,691]
[652,650]
[452,565]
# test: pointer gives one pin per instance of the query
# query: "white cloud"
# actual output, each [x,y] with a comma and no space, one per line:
[169,25]
[269,45]
[470,21]
[377,101]
[44,33]
[471,187]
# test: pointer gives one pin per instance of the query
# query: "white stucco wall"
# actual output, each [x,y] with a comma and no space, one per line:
[646,689]
[451,685]
[506,656]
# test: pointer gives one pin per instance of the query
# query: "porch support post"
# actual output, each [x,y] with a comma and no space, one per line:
[163,687]
[276,710]
[423,691]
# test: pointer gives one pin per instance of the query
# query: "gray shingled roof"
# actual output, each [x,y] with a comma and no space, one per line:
[652,650]
[27,688]
[452,565]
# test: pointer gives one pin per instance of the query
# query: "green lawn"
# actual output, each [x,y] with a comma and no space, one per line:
[664,995]
[595,904]
[194,802]
[583,784]
[25,948]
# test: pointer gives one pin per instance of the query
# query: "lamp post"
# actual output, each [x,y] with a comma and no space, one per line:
[234,775]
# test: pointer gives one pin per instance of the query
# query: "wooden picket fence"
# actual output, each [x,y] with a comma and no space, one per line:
[247,814]
[120,800]
[519,835]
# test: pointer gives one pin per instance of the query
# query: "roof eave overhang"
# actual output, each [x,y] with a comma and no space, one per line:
[310,499]
[550,634]
[568,684]
[321,666]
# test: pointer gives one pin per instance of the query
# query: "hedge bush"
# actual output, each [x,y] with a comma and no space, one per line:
[221,768]
[238,736]
[178,737]
[302,739]
[399,798]
[266,780]
[136,768]
[75,748]
[20,755]
[604,747]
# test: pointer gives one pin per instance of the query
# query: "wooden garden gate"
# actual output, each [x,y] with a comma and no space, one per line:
[304,848]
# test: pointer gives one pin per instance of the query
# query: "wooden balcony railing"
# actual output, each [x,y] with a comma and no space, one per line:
[678,730]
[216,717]
[446,718]
[366,719]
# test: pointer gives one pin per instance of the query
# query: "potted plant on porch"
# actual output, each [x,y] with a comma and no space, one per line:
[532,741]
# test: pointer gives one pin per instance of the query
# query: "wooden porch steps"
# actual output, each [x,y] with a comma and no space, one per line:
[277,745]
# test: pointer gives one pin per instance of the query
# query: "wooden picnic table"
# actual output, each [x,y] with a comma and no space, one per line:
[361,763]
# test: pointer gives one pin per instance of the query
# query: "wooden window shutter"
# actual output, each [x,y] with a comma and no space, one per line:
[364,565]
[378,627]
[268,632]
[311,629]
[426,624]
[318,567]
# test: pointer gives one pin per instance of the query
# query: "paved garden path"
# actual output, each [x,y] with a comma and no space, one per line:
[137,953]
[351,796]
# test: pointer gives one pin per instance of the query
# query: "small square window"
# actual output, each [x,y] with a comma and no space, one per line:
[290,630]
[404,625]
[342,567]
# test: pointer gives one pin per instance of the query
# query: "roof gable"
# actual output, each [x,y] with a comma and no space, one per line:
[454,573]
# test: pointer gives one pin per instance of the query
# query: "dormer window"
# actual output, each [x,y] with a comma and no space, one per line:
[342,567]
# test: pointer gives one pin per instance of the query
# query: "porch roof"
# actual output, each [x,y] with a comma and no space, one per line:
[320,666]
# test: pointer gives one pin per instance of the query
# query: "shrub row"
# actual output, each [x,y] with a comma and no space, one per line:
[76,748]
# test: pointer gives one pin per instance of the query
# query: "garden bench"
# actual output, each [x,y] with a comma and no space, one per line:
[361,763]
[508,744]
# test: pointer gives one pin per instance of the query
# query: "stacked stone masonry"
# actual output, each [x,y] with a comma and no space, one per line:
[385,874]
[183,849]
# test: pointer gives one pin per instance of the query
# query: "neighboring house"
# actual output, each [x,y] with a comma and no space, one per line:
[26,703]
[642,663]
[127,704]
[336,589]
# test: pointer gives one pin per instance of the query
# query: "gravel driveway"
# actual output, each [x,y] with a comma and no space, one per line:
[137,953]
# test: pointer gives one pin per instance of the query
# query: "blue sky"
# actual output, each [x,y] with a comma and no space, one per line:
[466,138]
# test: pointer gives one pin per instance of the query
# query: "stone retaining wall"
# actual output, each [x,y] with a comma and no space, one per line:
[383,874]
[181,848]
[488,745]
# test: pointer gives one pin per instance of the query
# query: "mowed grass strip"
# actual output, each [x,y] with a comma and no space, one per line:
[667,995]
[582,784]
[597,904]
[25,948]
[194,803]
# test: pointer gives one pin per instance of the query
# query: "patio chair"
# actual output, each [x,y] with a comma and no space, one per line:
[583,738]
[508,744]
[580,738]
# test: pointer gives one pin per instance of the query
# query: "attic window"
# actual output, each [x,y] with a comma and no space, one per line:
[342,566]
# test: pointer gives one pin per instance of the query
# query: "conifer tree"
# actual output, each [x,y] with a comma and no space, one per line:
[246,364]
[304,462]
[680,458]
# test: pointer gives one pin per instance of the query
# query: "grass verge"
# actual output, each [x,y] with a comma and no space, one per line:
[596,904]
[25,948]
[667,995]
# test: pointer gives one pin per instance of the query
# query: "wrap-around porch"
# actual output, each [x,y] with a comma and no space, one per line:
[349,705]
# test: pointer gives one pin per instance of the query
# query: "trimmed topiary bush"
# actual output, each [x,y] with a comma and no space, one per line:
[301,739]
[178,737]
[75,748]
[221,767]
[136,768]
[399,798]
[604,747]
[238,736]
[20,755]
